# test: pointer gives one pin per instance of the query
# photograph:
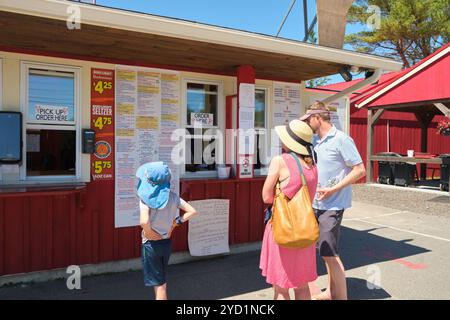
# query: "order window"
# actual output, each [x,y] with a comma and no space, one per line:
[202,122]
[51,122]
[261,137]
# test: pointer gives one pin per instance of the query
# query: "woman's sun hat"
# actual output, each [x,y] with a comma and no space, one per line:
[297,136]
[154,184]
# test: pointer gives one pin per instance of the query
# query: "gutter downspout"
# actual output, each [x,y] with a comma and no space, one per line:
[373,78]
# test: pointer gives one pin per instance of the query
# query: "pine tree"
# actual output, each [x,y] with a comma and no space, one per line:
[409,30]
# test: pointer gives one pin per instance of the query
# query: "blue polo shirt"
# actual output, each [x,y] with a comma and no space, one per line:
[336,155]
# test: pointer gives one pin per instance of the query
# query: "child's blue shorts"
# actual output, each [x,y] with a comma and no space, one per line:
[155,259]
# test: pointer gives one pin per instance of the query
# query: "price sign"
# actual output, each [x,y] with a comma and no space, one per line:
[102,121]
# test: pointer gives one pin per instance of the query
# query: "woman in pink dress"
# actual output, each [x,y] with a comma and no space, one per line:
[287,268]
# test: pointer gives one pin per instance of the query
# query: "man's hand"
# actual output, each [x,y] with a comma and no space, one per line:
[151,234]
[325,193]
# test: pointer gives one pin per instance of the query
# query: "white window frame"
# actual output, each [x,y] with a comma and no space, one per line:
[220,121]
[260,172]
[25,67]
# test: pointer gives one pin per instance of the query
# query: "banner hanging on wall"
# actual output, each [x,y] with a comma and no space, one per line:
[102,122]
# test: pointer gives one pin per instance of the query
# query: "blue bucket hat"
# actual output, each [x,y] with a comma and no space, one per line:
[154,184]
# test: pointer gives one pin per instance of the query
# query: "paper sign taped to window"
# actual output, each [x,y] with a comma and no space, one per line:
[202,119]
[51,113]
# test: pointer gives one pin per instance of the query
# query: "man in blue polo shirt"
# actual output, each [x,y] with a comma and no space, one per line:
[339,165]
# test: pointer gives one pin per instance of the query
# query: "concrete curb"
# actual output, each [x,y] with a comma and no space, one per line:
[115,266]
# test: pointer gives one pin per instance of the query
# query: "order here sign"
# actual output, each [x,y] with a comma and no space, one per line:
[52,113]
[202,119]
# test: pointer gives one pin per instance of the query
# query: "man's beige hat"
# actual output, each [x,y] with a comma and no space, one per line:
[297,136]
[310,112]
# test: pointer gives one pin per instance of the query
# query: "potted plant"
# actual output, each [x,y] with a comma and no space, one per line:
[443,127]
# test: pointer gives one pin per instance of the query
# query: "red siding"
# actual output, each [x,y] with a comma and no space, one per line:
[404,135]
[47,230]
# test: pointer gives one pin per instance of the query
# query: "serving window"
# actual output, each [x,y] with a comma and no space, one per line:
[261,138]
[51,106]
[203,119]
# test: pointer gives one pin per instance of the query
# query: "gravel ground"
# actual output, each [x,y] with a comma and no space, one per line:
[403,199]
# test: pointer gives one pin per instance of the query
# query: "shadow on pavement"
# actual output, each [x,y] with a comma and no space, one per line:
[362,248]
[225,276]
[359,289]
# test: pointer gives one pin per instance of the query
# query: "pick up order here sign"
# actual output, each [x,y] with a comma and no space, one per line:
[51,113]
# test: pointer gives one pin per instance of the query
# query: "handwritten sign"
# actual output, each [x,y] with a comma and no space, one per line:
[202,119]
[208,232]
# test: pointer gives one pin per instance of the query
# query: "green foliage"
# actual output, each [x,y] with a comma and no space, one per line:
[409,30]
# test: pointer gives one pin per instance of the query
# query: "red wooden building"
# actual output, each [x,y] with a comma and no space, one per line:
[55,208]
[422,84]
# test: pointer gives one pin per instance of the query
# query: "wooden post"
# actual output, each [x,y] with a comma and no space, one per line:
[371,120]
[369,167]
[424,119]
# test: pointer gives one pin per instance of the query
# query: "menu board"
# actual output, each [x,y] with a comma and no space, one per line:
[170,121]
[147,111]
[102,122]
[339,110]
[286,103]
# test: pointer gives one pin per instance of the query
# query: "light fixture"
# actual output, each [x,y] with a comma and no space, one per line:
[354,69]
[345,73]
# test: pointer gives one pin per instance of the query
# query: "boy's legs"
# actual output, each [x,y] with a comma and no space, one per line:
[155,258]
[160,292]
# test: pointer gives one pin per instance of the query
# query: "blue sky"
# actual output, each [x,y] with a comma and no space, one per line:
[261,16]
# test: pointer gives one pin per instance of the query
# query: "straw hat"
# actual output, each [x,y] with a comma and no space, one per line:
[297,136]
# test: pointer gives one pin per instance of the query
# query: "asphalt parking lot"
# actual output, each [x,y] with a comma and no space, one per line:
[388,254]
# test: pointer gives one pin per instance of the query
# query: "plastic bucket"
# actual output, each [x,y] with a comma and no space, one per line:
[223,172]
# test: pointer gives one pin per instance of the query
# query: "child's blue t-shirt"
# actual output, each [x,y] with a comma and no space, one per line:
[161,219]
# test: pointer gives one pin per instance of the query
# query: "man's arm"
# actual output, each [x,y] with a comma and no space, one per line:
[358,172]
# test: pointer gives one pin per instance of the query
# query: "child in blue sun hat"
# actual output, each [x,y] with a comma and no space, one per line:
[158,218]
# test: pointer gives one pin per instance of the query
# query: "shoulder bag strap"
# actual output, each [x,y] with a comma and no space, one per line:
[300,170]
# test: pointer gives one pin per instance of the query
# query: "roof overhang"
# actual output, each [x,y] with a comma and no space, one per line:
[120,35]
[383,89]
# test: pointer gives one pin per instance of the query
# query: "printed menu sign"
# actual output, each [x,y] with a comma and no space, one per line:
[286,103]
[102,122]
[338,110]
[147,108]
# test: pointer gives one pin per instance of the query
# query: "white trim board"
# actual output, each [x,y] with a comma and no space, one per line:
[24,71]
[140,22]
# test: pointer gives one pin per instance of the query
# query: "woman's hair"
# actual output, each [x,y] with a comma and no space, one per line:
[307,158]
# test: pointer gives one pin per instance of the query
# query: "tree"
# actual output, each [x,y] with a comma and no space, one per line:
[409,30]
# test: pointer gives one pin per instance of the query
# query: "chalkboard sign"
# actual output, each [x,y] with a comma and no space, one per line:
[10,137]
